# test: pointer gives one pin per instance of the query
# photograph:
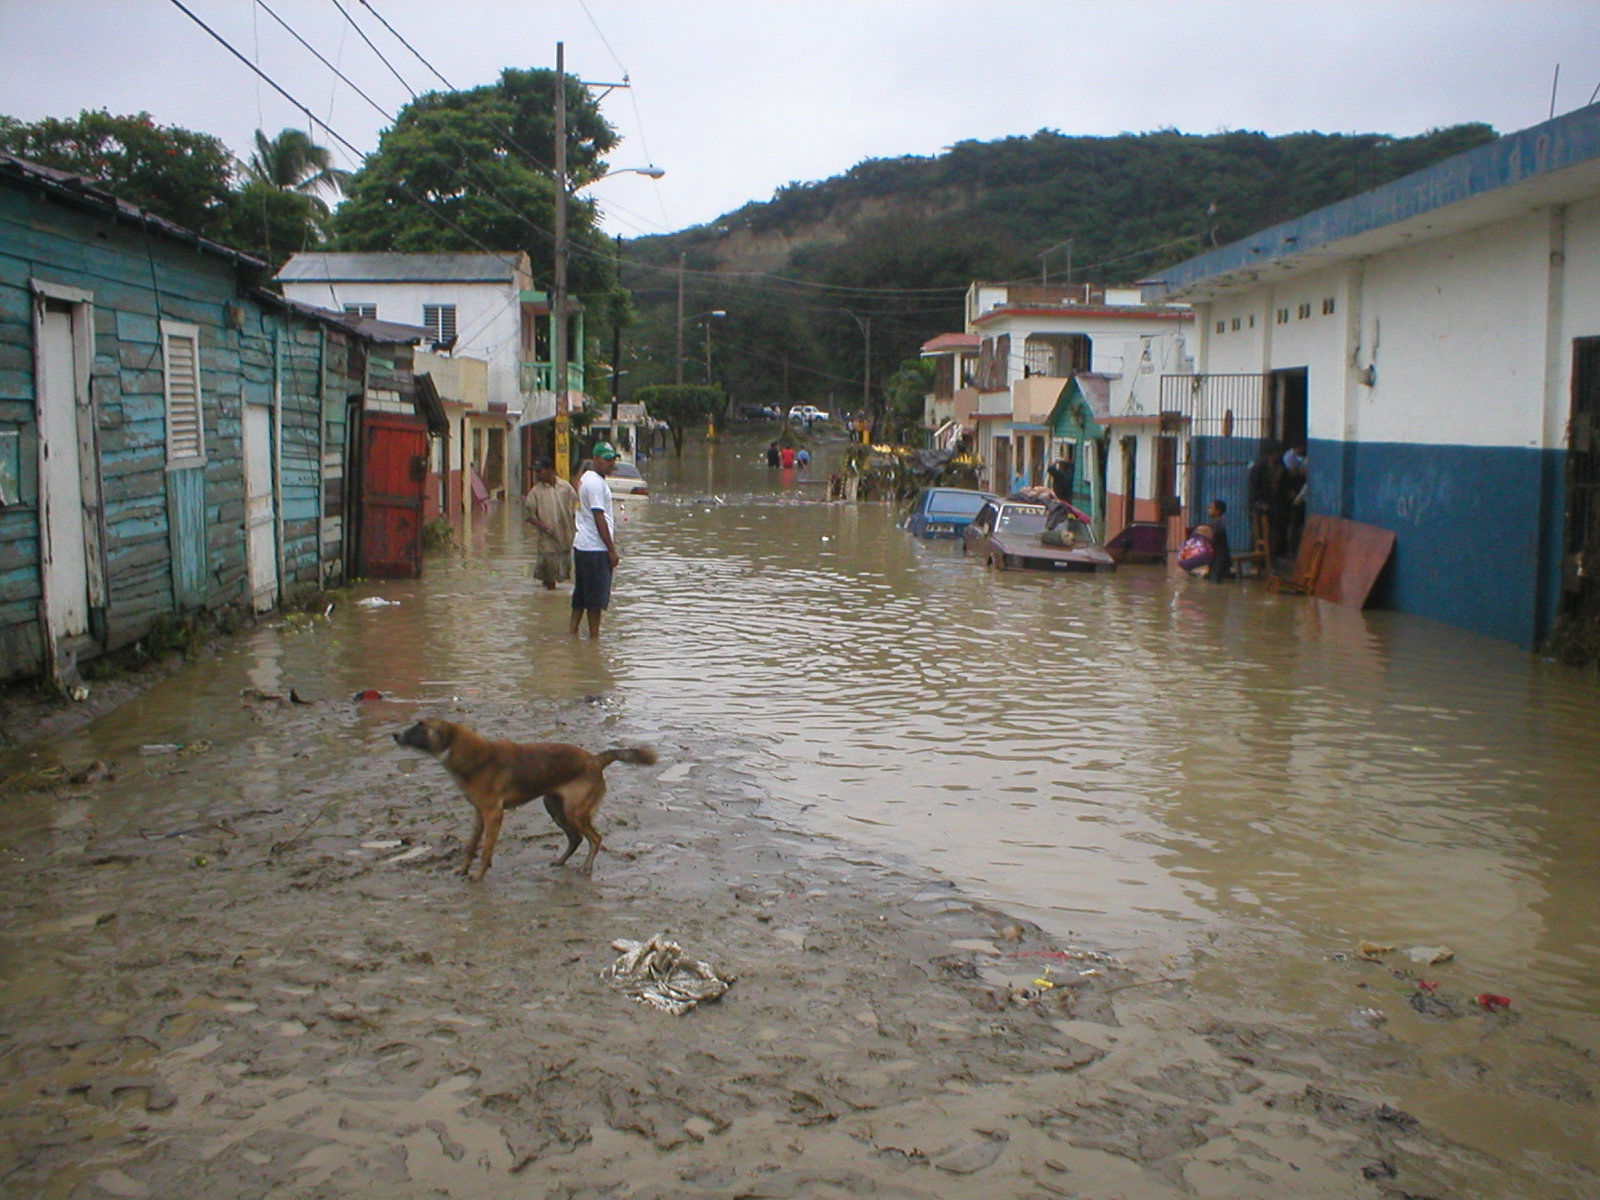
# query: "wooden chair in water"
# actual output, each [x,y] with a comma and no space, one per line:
[1307,569]
[1260,553]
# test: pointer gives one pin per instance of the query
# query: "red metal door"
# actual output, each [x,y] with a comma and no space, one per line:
[394,474]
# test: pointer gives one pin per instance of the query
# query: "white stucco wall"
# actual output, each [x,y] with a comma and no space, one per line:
[1469,337]
[488,319]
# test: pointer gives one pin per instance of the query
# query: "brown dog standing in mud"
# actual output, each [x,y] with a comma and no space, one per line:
[496,776]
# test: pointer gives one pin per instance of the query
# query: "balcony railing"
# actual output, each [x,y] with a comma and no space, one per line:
[541,377]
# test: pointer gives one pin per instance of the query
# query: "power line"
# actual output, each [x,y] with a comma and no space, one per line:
[334,133]
[366,4]
[373,47]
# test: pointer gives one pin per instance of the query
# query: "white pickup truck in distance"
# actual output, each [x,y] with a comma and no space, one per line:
[807,413]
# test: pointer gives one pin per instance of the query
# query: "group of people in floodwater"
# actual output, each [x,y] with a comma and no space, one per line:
[1276,487]
[788,456]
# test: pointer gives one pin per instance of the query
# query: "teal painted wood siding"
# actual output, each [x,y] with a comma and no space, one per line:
[172,539]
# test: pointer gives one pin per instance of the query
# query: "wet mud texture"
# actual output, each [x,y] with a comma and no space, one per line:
[254,972]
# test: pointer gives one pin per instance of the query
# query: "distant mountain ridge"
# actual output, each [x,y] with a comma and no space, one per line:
[1110,209]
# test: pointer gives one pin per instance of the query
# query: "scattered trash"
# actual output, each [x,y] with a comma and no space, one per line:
[256,694]
[160,748]
[78,693]
[377,602]
[1370,1018]
[384,844]
[1044,981]
[658,973]
[1430,954]
[93,773]
[193,748]
[369,694]
[1429,1004]
[1489,1002]
[408,855]
[1373,950]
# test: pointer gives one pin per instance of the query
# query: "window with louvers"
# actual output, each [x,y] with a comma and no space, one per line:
[440,320]
[180,346]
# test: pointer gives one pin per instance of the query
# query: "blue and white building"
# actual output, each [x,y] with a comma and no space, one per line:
[1436,344]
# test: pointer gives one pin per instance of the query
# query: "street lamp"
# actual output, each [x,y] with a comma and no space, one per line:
[558,298]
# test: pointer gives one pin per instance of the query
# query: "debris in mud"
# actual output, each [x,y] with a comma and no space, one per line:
[1490,1002]
[257,696]
[377,602]
[1430,1004]
[1428,955]
[1373,950]
[658,972]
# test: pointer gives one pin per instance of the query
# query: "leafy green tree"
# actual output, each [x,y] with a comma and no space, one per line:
[176,173]
[278,211]
[471,170]
[294,163]
[905,393]
[681,405]
[272,223]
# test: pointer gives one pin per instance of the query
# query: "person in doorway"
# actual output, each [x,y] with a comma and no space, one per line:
[1292,484]
[1060,473]
[594,546]
[1261,486]
[551,508]
[1221,556]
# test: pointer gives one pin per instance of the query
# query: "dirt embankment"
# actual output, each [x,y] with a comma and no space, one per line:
[250,970]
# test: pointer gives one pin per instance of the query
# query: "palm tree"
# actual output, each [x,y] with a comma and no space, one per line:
[293,162]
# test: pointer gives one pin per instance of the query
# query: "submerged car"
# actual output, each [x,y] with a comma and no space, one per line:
[943,512]
[1008,534]
[626,483]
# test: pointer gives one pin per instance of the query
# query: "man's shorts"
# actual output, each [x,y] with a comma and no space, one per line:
[591,579]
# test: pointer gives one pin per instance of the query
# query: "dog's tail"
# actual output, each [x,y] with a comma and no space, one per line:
[639,756]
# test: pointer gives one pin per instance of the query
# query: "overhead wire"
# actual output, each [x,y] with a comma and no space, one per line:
[332,132]
[366,4]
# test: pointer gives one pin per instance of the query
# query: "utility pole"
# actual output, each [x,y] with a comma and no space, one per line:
[866,376]
[558,299]
[616,347]
[677,359]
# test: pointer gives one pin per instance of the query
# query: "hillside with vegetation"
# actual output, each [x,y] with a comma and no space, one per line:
[891,245]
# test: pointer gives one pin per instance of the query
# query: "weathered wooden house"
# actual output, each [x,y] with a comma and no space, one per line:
[174,440]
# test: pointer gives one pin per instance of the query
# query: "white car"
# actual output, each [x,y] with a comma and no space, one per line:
[807,413]
[626,483]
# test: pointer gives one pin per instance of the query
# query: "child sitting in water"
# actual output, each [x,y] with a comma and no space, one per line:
[1195,555]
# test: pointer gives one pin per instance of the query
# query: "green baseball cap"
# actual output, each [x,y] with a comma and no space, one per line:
[604,450]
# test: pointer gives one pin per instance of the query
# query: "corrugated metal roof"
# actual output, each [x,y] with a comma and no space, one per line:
[323,266]
[369,328]
[92,194]
[951,341]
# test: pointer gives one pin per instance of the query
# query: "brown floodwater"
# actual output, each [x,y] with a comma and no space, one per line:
[1238,784]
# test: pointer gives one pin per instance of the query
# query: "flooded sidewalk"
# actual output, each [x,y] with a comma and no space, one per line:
[968,959]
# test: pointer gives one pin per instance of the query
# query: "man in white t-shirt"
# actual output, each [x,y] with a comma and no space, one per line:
[594,549]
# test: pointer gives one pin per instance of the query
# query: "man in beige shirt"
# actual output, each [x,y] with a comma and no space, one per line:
[551,508]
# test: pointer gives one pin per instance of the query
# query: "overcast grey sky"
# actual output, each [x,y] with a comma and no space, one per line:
[734,98]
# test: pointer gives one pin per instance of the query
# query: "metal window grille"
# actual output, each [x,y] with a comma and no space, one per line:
[1226,419]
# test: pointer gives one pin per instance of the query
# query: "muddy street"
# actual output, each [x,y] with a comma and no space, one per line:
[1027,886]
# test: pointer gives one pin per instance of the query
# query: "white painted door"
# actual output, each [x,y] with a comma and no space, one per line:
[261,523]
[66,566]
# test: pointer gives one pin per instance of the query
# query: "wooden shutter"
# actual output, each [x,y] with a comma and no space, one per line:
[180,352]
